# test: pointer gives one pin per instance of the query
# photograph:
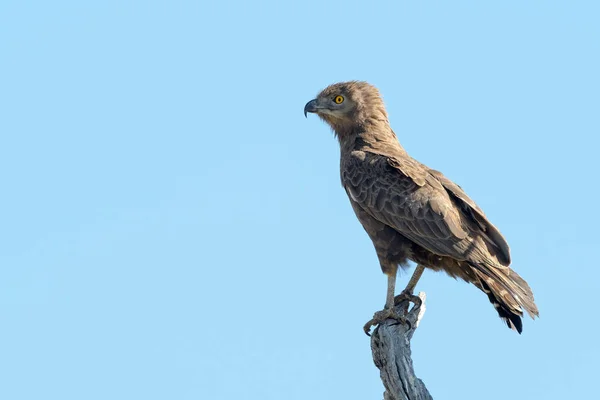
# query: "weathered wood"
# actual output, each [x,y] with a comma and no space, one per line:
[390,343]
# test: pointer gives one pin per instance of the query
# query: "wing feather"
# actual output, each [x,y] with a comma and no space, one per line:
[424,206]
[496,243]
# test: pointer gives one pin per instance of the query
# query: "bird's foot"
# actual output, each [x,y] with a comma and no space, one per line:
[381,316]
[416,300]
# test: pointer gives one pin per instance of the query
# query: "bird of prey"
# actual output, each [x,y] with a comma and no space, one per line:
[412,212]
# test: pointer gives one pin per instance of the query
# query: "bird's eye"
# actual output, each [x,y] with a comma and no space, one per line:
[339,99]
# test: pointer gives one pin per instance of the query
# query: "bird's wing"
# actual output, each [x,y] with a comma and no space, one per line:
[496,243]
[404,194]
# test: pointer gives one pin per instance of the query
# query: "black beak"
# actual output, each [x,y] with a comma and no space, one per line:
[310,107]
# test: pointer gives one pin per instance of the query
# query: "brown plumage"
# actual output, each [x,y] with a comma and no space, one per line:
[412,212]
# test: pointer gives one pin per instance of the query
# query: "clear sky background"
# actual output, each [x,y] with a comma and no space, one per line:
[173,228]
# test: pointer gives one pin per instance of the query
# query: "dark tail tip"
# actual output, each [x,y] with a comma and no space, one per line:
[512,320]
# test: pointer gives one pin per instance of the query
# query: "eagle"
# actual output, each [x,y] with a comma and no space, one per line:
[412,212]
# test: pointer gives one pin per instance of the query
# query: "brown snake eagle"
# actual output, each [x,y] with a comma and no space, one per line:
[412,212]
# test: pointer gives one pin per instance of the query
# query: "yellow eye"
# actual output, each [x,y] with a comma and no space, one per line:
[339,99]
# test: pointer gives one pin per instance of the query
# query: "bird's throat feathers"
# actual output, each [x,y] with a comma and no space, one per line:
[368,134]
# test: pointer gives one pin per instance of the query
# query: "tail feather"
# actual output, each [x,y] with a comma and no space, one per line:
[508,292]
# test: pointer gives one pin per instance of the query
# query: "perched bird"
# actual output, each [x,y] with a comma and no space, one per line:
[412,212]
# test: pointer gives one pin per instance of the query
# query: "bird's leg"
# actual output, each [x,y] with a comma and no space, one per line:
[407,293]
[391,289]
[414,278]
[388,311]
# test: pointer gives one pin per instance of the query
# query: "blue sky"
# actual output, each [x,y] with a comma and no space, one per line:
[173,228]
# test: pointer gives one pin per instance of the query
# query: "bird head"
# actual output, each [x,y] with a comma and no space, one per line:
[347,104]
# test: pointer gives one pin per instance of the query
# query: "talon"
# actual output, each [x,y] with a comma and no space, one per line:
[367,328]
[381,316]
[405,321]
[416,300]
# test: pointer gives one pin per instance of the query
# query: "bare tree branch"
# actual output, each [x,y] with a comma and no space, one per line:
[390,344]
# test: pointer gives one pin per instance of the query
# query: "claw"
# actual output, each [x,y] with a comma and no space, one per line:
[416,300]
[381,316]
[405,321]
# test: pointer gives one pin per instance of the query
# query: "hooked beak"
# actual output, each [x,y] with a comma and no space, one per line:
[310,107]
